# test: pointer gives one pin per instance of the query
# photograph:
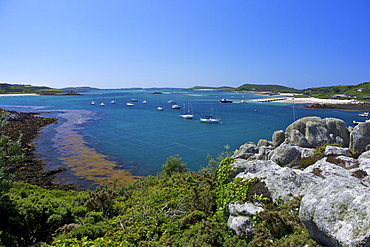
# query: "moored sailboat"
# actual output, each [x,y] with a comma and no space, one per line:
[210,118]
[187,114]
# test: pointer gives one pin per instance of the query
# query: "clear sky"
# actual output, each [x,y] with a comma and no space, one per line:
[184,43]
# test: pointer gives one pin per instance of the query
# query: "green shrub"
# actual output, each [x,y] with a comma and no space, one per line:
[174,164]
[37,214]
[230,191]
[89,231]
[100,200]
[281,226]
[308,161]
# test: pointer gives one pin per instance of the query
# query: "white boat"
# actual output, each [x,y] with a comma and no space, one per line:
[175,106]
[209,119]
[144,102]
[188,114]
[113,102]
[130,104]
[92,102]
[102,104]
[160,108]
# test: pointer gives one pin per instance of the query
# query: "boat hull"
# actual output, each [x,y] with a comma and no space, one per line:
[187,116]
[209,120]
[226,101]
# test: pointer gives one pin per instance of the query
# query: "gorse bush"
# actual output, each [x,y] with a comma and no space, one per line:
[174,164]
[36,214]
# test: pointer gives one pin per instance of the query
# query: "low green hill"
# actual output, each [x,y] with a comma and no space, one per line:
[6,88]
[360,91]
[267,88]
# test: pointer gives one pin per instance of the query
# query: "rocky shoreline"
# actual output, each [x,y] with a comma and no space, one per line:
[321,161]
[31,169]
[360,105]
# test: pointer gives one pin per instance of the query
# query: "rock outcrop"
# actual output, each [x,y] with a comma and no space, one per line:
[314,131]
[240,219]
[360,137]
[335,205]
[336,211]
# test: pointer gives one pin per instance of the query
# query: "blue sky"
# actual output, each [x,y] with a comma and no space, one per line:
[183,43]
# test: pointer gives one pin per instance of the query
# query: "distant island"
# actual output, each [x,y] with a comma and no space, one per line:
[358,92]
[6,88]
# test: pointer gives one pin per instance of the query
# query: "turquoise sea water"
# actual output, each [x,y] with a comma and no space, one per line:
[139,138]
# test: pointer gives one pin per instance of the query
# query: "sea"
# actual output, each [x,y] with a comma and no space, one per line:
[116,142]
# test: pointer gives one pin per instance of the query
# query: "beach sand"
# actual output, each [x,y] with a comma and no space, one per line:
[289,98]
[18,94]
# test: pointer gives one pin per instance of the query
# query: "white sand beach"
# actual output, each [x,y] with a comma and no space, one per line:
[18,94]
[289,98]
[317,100]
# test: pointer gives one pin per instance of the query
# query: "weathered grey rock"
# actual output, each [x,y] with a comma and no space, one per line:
[307,152]
[360,137]
[335,150]
[366,181]
[278,138]
[237,167]
[336,211]
[244,209]
[245,151]
[364,162]
[347,162]
[263,142]
[315,131]
[298,139]
[339,140]
[241,226]
[338,128]
[263,151]
[301,123]
[240,219]
[324,169]
[286,155]
[317,134]
[282,182]
[364,155]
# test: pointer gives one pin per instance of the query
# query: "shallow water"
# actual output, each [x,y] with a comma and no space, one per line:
[100,144]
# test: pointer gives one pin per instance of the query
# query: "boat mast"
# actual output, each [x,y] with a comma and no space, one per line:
[295,117]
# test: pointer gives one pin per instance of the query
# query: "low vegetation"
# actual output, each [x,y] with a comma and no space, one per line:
[6,88]
[174,208]
[359,92]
